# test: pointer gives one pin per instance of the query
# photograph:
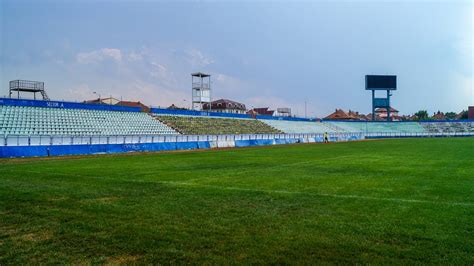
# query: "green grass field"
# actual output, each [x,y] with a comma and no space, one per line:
[404,201]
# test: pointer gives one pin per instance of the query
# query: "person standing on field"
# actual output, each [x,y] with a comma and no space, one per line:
[326,139]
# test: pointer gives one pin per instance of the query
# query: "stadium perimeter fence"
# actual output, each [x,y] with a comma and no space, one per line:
[27,146]
[50,140]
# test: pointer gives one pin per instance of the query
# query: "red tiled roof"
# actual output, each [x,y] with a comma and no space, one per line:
[143,107]
[263,111]
[339,114]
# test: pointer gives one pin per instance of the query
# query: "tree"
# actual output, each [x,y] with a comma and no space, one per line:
[422,115]
[451,115]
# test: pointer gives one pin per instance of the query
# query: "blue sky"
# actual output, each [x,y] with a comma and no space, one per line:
[276,54]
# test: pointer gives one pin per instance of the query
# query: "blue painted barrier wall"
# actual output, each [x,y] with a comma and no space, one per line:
[67,105]
[58,150]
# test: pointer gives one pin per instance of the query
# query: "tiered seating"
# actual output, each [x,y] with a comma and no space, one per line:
[380,127]
[340,127]
[214,126]
[447,127]
[24,120]
[350,126]
[397,127]
[21,120]
[300,126]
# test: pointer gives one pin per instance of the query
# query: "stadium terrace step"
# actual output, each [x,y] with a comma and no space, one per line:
[447,127]
[379,127]
[192,125]
[300,126]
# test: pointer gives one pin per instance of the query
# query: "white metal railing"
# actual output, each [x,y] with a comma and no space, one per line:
[21,140]
[198,85]
[417,134]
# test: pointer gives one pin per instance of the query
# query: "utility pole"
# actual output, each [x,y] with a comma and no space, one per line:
[99,96]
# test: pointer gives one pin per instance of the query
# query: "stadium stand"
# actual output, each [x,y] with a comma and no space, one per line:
[448,127]
[300,126]
[380,127]
[32,120]
[51,128]
[341,127]
[194,125]
[350,126]
[25,120]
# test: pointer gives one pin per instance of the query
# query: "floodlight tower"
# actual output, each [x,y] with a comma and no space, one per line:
[201,90]
[381,83]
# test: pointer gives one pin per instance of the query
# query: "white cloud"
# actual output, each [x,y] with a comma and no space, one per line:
[197,58]
[116,54]
[158,71]
[134,56]
[226,83]
[141,76]
[158,95]
[99,56]
[148,76]
[161,78]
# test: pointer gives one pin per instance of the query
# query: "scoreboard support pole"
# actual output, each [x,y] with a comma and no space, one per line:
[388,106]
[386,83]
[373,105]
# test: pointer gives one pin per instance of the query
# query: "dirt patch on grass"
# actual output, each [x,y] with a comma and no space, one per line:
[58,198]
[36,236]
[101,200]
[122,259]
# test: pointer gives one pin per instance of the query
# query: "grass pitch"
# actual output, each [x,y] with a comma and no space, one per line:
[393,201]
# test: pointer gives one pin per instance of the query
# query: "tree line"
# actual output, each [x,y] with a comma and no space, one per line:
[424,115]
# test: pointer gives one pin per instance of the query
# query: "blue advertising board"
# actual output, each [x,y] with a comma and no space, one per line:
[66,105]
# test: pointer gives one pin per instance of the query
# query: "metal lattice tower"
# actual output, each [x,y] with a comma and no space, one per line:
[28,86]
